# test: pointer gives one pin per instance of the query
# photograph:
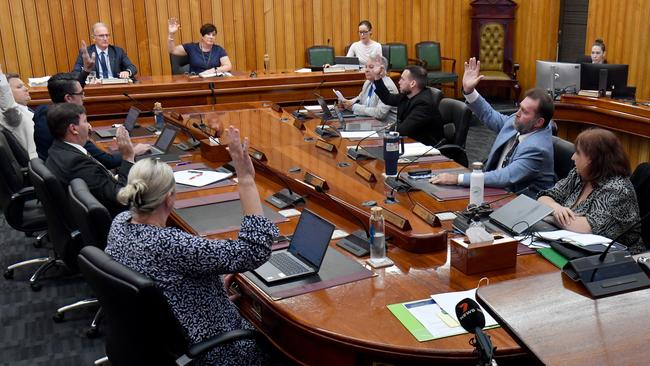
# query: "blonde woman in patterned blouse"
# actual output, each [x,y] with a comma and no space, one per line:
[188,268]
[597,195]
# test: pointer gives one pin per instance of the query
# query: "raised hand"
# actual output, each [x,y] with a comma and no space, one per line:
[174,25]
[239,154]
[89,61]
[471,76]
[124,144]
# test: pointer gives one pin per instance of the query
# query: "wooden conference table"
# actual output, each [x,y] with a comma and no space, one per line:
[350,324]
[182,90]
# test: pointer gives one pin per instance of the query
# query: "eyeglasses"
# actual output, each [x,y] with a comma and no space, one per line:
[102,35]
[363,33]
[81,93]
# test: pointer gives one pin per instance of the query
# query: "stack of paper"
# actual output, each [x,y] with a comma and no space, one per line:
[417,149]
[200,178]
[574,238]
[42,81]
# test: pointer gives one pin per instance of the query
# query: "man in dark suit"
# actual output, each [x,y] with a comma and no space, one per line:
[68,159]
[418,116]
[111,61]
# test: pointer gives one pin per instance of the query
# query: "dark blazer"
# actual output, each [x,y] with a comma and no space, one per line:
[67,162]
[417,117]
[43,140]
[117,57]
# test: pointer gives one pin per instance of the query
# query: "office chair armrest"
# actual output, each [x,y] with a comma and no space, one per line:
[455,152]
[453,62]
[515,69]
[25,194]
[201,348]
[417,61]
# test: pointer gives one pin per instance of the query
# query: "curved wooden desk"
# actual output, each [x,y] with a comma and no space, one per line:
[181,90]
[630,122]
[350,324]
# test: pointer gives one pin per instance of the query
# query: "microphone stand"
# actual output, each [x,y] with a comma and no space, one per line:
[296,114]
[356,155]
[285,197]
[398,184]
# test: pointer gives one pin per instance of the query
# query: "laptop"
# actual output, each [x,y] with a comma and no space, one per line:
[327,112]
[163,143]
[305,253]
[520,214]
[348,63]
[129,124]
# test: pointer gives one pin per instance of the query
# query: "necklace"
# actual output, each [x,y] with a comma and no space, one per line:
[206,60]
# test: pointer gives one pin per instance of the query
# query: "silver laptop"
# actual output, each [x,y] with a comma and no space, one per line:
[327,111]
[163,143]
[305,253]
[520,214]
[129,124]
[348,63]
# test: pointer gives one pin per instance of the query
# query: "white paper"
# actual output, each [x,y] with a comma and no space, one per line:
[446,215]
[427,312]
[528,241]
[448,301]
[304,69]
[42,81]
[199,178]
[290,212]
[357,135]
[575,238]
[338,95]
[417,149]
[338,234]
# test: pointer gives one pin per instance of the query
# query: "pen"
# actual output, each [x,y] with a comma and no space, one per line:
[182,163]
[197,174]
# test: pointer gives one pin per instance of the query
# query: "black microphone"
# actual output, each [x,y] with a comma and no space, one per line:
[356,243]
[400,185]
[602,256]
[355,154]
[212,93]
[144,107]
[471,318]
[191,143]
[285,197]
[296,114]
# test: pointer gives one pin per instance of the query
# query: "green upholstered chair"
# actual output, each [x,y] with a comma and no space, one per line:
[317,56]
[429,52]
[398,57]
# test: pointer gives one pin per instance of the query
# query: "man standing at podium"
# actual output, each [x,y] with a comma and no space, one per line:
[111,61]
[522,154]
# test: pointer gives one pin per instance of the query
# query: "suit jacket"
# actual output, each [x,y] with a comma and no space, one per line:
[531,164]
[417,117]
[67,162]
[117,57]
[43,140]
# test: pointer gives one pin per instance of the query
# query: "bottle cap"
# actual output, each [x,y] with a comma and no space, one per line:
[157,105]
[477,165]
[376,211]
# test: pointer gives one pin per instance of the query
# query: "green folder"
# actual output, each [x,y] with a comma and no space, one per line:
[408,320]
[553,256]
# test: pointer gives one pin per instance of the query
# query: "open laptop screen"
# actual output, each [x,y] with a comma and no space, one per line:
[131,117]
[311,238]
[166,138]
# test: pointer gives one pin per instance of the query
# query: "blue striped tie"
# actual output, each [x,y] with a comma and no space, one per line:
[104,67]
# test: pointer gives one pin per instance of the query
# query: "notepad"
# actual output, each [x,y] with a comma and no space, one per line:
[200,178]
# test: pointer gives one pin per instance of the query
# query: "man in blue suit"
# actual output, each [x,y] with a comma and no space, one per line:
[522,154]
[111,61]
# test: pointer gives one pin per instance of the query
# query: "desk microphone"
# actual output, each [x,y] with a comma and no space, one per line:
[144,108]
[212,92]
[356,243]
[355,154]
[602,256]
[471,318]
[296,114]
[400,185]
[285,197]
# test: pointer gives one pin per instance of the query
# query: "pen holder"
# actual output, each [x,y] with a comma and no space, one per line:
[483,257]
[214,152]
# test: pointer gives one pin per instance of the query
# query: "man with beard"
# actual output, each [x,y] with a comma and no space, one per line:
[522,154]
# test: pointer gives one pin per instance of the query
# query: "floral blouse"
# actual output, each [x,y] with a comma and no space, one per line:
[610,208]
[187,268]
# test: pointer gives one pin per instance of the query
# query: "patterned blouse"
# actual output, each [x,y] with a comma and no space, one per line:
[187,269]
[610,208]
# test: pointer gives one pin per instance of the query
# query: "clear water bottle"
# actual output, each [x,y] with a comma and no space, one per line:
[476,184]
[377,236]
[267,63]
[158,116]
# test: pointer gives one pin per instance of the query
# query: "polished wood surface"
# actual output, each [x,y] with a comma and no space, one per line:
[631,123]
[41,38]
[182,90]
[557,320]
[624,27]
[350,324]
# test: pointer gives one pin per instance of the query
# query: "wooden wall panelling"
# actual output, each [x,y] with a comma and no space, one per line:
[33,38]
[10,58]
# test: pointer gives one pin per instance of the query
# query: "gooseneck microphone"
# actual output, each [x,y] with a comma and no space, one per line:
[471,318]
[285,197]
[356,154]
[296,114]
[398,184]
[145,109]
[212,92]
[602,256]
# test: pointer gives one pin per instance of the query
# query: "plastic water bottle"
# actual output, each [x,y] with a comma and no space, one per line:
[377,235]
[476,184]
[158,116]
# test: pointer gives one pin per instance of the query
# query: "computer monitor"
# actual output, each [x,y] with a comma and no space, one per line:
[558,77]
[615,76]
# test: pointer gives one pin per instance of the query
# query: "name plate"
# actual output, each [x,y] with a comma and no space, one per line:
[276,107]
[426,215]
[256,154]
[316,181]
[396,219]
[176,115]
[366,174]
[299,124]
[325,146]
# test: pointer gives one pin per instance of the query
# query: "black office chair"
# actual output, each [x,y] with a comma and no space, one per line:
[562,152]
[65,240]
[457,117]
[641,181]
[94,222]
[437,95]
[16,148]
[18,202]
[140,327]
[180,64]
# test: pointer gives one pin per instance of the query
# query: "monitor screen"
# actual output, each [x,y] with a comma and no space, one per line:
[558,77]
[311,238]
[323,105]
[590,76]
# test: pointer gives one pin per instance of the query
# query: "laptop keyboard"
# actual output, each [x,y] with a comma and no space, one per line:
[286,264]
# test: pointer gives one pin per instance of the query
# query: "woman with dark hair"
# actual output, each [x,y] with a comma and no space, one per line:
[365,47]
[205,56]
[598,52]
[189,268]
[597,195]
